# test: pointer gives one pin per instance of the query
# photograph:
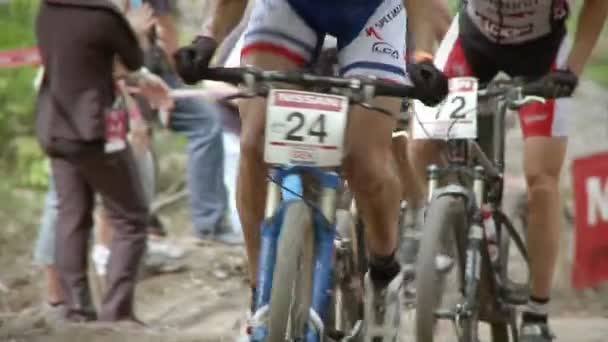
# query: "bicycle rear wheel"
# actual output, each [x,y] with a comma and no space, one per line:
[292,279]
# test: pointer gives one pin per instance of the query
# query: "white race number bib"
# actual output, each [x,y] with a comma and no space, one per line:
[455,118]
[304,128]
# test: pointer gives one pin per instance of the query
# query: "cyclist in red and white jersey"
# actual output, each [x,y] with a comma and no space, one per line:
[287,35]
[526,38]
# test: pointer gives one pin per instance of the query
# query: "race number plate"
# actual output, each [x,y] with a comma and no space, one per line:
[455,118]
[304,128]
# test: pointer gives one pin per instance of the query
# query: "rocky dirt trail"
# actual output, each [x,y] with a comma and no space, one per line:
[207,302]
[204,302]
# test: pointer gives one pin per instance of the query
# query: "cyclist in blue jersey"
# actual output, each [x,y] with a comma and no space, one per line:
[287,35]
[526,38]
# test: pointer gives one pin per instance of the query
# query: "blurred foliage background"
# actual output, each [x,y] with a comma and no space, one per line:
[21,161]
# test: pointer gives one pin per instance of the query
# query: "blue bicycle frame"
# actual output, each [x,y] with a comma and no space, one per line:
[287,186]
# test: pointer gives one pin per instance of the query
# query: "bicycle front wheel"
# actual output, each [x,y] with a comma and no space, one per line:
[292,279]
[439,273]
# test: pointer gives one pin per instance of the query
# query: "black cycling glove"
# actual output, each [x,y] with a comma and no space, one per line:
[192,61]
[431,83]
[560,83]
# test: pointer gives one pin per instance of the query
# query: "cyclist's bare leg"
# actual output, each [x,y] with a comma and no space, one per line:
[371,175]
[411,189]
[543,159]
[251,180]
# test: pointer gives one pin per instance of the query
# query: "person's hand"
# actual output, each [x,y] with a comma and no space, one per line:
[141,19]
[193,60]
[156,91]
[431,83]
[140,137]
[561,83]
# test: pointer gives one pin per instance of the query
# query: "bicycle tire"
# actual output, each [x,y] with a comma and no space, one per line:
[441,219]
[291,292]
[348,293]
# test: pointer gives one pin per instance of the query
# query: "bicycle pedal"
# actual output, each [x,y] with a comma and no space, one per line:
[514,293]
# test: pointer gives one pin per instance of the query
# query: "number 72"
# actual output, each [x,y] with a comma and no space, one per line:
[457,113]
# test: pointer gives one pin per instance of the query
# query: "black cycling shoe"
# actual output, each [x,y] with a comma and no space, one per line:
[535,332]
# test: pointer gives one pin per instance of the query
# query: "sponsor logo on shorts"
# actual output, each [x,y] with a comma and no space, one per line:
[532,118]
[372,31]
[388,17]
[386,49]
[302,100]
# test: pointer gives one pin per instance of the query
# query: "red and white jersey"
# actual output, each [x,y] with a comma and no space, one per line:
[515,21]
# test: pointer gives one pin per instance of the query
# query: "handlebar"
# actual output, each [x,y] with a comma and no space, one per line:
[518,91]
[250,76]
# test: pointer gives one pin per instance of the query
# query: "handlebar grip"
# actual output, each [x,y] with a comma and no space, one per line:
[228,75]
[537,89]
[394,90]
[543,89]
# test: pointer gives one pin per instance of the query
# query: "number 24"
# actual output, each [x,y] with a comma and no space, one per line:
[316,129]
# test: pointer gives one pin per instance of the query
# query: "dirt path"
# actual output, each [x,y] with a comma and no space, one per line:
[206,303]
[203,303]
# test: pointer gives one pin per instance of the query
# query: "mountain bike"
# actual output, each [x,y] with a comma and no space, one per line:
[466,238]
[307,257]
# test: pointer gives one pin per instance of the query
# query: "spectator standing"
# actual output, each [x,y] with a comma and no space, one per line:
[200,122]
[84,136]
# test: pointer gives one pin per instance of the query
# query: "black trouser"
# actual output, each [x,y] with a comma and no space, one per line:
[114,176]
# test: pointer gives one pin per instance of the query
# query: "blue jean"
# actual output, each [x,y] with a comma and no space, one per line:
[44,251]
[200,122]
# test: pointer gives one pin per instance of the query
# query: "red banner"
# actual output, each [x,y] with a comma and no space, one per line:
[19,57]
[590,179]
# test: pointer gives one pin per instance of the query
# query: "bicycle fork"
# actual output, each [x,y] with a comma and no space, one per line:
[286,187]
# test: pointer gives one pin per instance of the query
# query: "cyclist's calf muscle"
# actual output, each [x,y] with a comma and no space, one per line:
[543,158]
[371,175]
